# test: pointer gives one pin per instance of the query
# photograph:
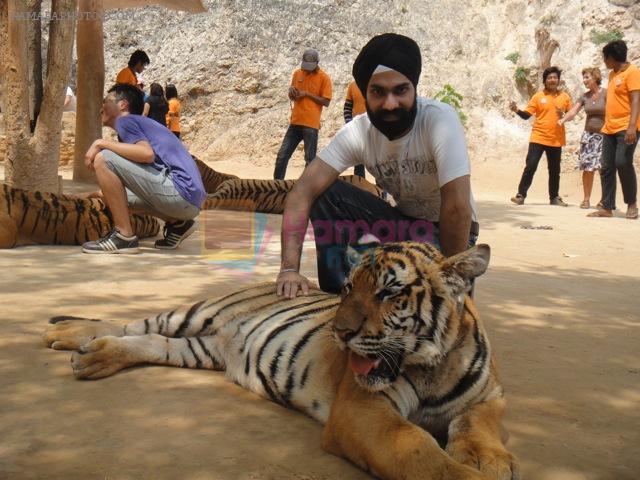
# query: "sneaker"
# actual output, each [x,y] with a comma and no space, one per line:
[558,202]
[113,242]
[518,199]
[175,234]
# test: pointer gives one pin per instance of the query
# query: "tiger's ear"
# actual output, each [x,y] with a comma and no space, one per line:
[469,264]
[354,254]
[352,257]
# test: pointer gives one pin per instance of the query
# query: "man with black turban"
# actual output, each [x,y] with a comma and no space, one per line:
[416,150]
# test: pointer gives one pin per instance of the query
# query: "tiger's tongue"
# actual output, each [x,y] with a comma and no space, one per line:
[362,365]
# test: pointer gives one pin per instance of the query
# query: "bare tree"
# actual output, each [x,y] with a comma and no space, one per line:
[546,46]
[32,160]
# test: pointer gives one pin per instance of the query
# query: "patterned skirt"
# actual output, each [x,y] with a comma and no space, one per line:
[590,151]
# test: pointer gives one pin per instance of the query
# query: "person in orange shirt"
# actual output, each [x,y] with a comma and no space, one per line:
[310,90]
[547,136]
[620,131]
[354,105]
[129,74]
[173,116]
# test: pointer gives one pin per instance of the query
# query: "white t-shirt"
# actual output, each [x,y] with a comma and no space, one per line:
[72,104]
[411,168]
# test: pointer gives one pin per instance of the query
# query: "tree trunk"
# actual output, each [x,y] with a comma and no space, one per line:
[546,47]
[90,83]
[34,55]
[15,94]
[47,136]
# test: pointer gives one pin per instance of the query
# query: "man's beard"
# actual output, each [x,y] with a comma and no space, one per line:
[392,129]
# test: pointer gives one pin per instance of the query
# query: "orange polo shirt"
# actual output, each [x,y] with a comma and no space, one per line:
[546,130]
[306,112]
[173,121]
[127,76]
[354,94]
[618,111]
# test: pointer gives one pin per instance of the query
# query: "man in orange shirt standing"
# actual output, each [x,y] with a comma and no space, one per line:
[137,63]
[548,106]
[310,90]
[620,131]
[354,105]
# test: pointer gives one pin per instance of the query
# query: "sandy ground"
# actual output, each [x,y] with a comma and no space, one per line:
[561,306]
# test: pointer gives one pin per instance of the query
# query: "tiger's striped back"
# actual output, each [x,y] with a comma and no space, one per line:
[266,196]
[211,179]
[48,218]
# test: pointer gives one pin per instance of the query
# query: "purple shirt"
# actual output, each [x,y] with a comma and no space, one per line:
[169,151]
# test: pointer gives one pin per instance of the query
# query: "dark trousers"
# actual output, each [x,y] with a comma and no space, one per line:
[345,213]
[617,155]
[295,134]
[534,155]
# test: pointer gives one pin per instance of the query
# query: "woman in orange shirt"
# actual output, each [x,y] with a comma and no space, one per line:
[173,117]
[620,131]
[548,106]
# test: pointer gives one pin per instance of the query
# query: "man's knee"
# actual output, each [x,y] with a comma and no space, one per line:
[99,161]
[107,159]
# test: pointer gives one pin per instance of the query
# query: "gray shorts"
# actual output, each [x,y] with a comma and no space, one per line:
[149,190]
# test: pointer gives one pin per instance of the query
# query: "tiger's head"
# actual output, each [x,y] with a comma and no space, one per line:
[401,306]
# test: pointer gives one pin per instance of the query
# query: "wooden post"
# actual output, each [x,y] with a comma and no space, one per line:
[90,83]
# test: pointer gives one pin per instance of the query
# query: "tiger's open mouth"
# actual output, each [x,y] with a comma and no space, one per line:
[383,367]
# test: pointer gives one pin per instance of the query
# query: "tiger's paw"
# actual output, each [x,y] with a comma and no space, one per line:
[70,333]
[494,461]
[101,358]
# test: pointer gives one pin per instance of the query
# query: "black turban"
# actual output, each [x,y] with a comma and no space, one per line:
[397,52]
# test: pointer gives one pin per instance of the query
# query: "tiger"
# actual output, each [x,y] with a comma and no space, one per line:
[395,363]
[211,179]
[46,218]
[266,196]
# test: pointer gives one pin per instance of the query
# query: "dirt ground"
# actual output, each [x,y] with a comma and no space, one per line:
[561,305]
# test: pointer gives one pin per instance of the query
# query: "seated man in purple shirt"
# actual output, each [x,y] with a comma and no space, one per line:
[147,171]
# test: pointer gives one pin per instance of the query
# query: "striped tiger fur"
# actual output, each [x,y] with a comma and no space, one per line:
[47,218]
[211,179]
[401,353]
[265,196]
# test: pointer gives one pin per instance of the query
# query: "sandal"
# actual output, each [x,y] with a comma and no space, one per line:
[600,213]
[585,204]
[632,213]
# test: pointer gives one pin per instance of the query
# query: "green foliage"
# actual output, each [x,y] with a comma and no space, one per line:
[521,77]
[449,96]
[513,57]
[549,19]
[605,36]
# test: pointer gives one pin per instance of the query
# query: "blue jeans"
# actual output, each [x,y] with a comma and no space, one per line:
[295,134]
[617,156]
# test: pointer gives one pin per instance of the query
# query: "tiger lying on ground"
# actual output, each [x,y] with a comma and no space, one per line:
[211,179]
[402,355]
[265,196]
[47,218]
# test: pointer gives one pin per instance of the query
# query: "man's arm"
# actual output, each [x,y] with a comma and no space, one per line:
[316,98]
[140,152]
[347,110]
[315,179]
[630,136]
[455,215]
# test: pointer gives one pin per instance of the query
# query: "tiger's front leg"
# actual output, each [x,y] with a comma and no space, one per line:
[365,428]
[105,356]
[70,333]
[475,440]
